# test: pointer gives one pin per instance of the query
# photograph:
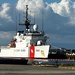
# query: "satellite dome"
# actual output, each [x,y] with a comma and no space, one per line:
[35,27]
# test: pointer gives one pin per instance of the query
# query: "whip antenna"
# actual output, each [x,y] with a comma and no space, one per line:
[42,22]
[16,23]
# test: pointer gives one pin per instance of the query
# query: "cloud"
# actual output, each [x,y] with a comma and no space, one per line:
[62,39]
[7,17]
[58,18]
[7,23]
[4,11]
[65,8]
[35,6]
[31,3]
[62,8]
[6,37]
[2,35]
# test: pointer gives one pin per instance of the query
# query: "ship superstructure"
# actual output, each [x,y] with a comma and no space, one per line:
[31,44]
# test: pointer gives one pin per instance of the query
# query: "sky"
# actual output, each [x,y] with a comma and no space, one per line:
[58,18]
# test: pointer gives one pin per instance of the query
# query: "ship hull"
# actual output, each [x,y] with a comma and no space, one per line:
[27,53]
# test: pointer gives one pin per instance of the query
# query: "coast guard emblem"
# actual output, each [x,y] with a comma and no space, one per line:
[42,53]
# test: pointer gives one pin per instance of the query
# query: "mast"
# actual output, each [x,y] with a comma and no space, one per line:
[26,12]
[27,21]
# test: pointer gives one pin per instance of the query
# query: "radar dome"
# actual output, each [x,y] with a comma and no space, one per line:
[35,27]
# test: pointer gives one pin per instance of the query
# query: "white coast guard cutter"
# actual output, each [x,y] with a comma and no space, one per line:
[29,45]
